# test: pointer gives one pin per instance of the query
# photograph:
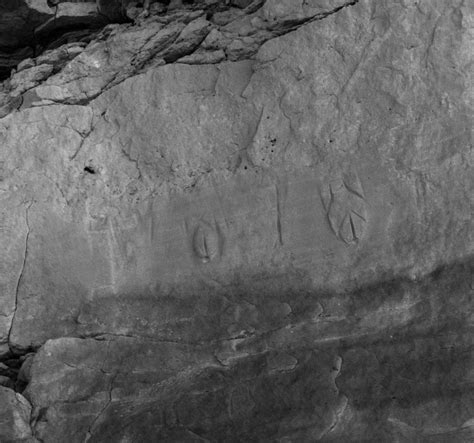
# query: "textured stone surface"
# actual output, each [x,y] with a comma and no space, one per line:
[14,416]
[244,224]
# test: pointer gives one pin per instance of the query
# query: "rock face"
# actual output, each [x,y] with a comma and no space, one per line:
[241,222]
[18,20]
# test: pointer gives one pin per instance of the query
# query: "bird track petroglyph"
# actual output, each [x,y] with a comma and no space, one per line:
[346,208]
[206,242]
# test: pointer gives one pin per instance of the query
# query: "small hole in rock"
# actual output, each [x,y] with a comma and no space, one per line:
[89,169]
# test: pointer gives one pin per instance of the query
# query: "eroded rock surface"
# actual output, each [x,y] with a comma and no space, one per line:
[242,222]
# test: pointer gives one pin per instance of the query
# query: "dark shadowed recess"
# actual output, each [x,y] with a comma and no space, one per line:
[22,34]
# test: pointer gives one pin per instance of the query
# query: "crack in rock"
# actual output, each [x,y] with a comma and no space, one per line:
[25,255]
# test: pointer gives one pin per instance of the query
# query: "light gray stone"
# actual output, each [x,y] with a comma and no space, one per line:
[249,225]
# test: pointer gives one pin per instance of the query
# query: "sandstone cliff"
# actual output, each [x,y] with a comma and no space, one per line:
[248,221]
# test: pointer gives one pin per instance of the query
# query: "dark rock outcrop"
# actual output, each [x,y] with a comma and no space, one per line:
[18,20]
[240,222]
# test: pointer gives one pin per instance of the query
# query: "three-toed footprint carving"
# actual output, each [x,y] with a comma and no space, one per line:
[346,208]
[206,242]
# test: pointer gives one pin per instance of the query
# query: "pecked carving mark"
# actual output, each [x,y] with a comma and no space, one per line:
[345,205]
[206,242]
[278,211]
[352,184]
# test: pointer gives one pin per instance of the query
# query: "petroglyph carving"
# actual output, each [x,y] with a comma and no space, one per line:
[206,242]
[346,208]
